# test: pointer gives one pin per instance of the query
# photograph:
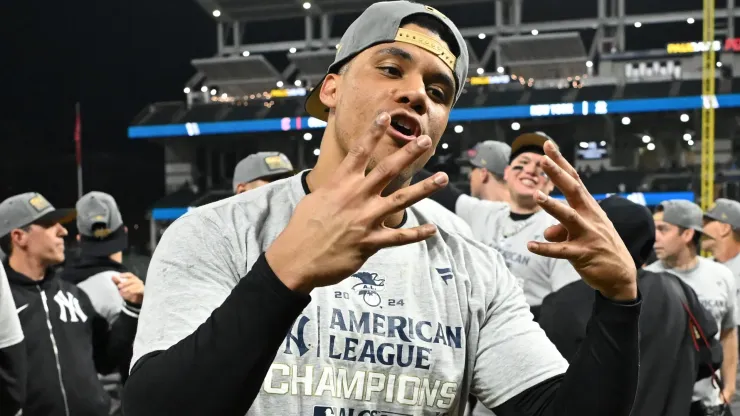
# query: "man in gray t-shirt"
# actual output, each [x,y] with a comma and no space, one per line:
[325,294]
[678,226]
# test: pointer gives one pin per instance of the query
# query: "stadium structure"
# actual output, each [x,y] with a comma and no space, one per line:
[630,118]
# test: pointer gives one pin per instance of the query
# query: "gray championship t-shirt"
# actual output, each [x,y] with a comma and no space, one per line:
[714,285]
[11,332]
[492,225]
[413,332]
[430,211]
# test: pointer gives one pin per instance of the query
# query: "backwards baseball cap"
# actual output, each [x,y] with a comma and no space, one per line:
[30,208]
[381,23]
[529,143]
[261,165]
[100,225]
[634,224]
[682,213]
[490,155]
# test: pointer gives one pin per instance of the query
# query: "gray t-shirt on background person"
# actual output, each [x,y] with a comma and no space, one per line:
[415,331]
[715,287]
[11,332]
[492,225]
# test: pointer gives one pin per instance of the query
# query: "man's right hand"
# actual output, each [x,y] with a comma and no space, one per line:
[336,228]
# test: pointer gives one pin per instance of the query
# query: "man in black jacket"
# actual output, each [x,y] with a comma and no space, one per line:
[669,362]
[67,342]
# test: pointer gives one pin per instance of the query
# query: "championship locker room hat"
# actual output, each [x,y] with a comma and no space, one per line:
[726,211]
[381,23]
[30,208]
[682,213]
[100,224]
[529,143]
[491,155]
[262,165]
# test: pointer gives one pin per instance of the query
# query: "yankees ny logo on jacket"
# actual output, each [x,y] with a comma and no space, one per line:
[68,344]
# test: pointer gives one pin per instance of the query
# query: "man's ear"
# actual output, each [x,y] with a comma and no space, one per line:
[242,187]
[507,172]
[483,172]
[328,93]
[725,229]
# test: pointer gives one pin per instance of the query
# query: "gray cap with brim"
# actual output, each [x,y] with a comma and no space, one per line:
[682,213]
[100,224]
[490,155]
[726,211]
[262,165]
[31,208]
[381,23]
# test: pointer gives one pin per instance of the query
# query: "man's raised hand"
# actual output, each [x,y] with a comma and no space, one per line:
[585,236]
[336,228]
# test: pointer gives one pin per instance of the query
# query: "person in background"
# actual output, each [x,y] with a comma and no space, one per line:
[678,229]
[722,226]
[99,270]
[13,371]
[259,169]
[508,226]
[67,342]
[489,160]
[669,363]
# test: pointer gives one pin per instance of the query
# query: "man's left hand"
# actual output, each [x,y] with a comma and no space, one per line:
[585,236]
[130,287]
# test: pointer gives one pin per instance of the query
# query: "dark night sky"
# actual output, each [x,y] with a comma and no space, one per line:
[116,57]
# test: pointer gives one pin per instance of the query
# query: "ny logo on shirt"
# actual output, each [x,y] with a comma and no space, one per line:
[69,308]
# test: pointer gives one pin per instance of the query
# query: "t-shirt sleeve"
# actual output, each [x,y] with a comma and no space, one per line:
[563,273]
[103,294]
[11,332]
[190,275]
[477,212]
[513,352]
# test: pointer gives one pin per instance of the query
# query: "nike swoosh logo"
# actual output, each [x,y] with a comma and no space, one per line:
[20,309]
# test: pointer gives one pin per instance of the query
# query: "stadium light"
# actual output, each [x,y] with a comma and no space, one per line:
[316,152]
[245,53]
[690,142]
[480,71]
[646,139]
[684,117]
[602,143]
[213,92]
[589,64]
[297,83]
[216,13]
[638,24]
[651,146]
[687,137]
[186,90]
[583,145]
[445,145]
[481,36]
[224,95]
[515,126]
[535,32]
[458,129]
[690,20]
[204,88]
[626,121]
[500,70]
[719,64]
[307,136]
[307,5]
[292,50]
[279,84]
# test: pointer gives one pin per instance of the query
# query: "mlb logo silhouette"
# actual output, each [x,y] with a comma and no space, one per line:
[324,411]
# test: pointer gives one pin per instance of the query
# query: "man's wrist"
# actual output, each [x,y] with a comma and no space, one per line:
[622,293]
[296,281]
